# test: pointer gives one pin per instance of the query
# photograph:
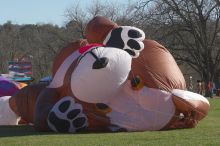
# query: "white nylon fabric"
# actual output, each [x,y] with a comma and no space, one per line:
[99,85]
[189,96]
[147,109]
[7,116]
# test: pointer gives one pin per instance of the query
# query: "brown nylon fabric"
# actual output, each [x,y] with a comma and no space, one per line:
[193,110]
[197,107]
[98,28]
[24,101]
[157,68]
[45,101]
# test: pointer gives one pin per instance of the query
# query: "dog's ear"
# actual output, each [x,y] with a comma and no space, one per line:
[127,38]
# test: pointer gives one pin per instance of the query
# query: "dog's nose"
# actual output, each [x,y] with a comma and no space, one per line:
[100,63]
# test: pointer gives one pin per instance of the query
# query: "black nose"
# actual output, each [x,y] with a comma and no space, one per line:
[100,63]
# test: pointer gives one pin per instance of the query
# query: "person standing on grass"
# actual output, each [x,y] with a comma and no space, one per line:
[209,89]
[199,87]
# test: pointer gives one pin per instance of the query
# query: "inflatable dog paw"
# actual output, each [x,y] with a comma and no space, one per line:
[127,38]
[67,116]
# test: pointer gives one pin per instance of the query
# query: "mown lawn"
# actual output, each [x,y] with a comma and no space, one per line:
[207,133]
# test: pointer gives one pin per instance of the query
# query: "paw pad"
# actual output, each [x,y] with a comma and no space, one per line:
[67,116]
[127,38]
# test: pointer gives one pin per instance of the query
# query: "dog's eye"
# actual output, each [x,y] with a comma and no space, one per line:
[137,83]
[102,108]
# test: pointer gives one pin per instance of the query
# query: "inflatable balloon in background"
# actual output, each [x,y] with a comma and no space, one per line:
[7,89]
[127,83]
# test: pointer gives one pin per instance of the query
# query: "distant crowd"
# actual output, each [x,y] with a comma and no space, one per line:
[207,90]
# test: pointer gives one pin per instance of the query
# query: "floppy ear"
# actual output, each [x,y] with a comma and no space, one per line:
[127,38]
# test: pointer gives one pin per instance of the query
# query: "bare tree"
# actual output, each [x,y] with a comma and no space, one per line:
[78,17]
[9,40]
[190,28]
[39,43]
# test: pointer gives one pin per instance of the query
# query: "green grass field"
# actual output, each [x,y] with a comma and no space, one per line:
[207,133]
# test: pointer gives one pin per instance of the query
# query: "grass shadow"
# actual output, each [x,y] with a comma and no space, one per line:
[20,130]
[28,130]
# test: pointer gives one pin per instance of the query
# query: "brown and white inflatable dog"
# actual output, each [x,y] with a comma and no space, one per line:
[126,84]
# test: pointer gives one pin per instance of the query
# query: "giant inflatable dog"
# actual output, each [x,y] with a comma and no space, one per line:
[115,80]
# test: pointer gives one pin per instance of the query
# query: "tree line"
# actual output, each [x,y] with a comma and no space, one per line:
[190,29]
